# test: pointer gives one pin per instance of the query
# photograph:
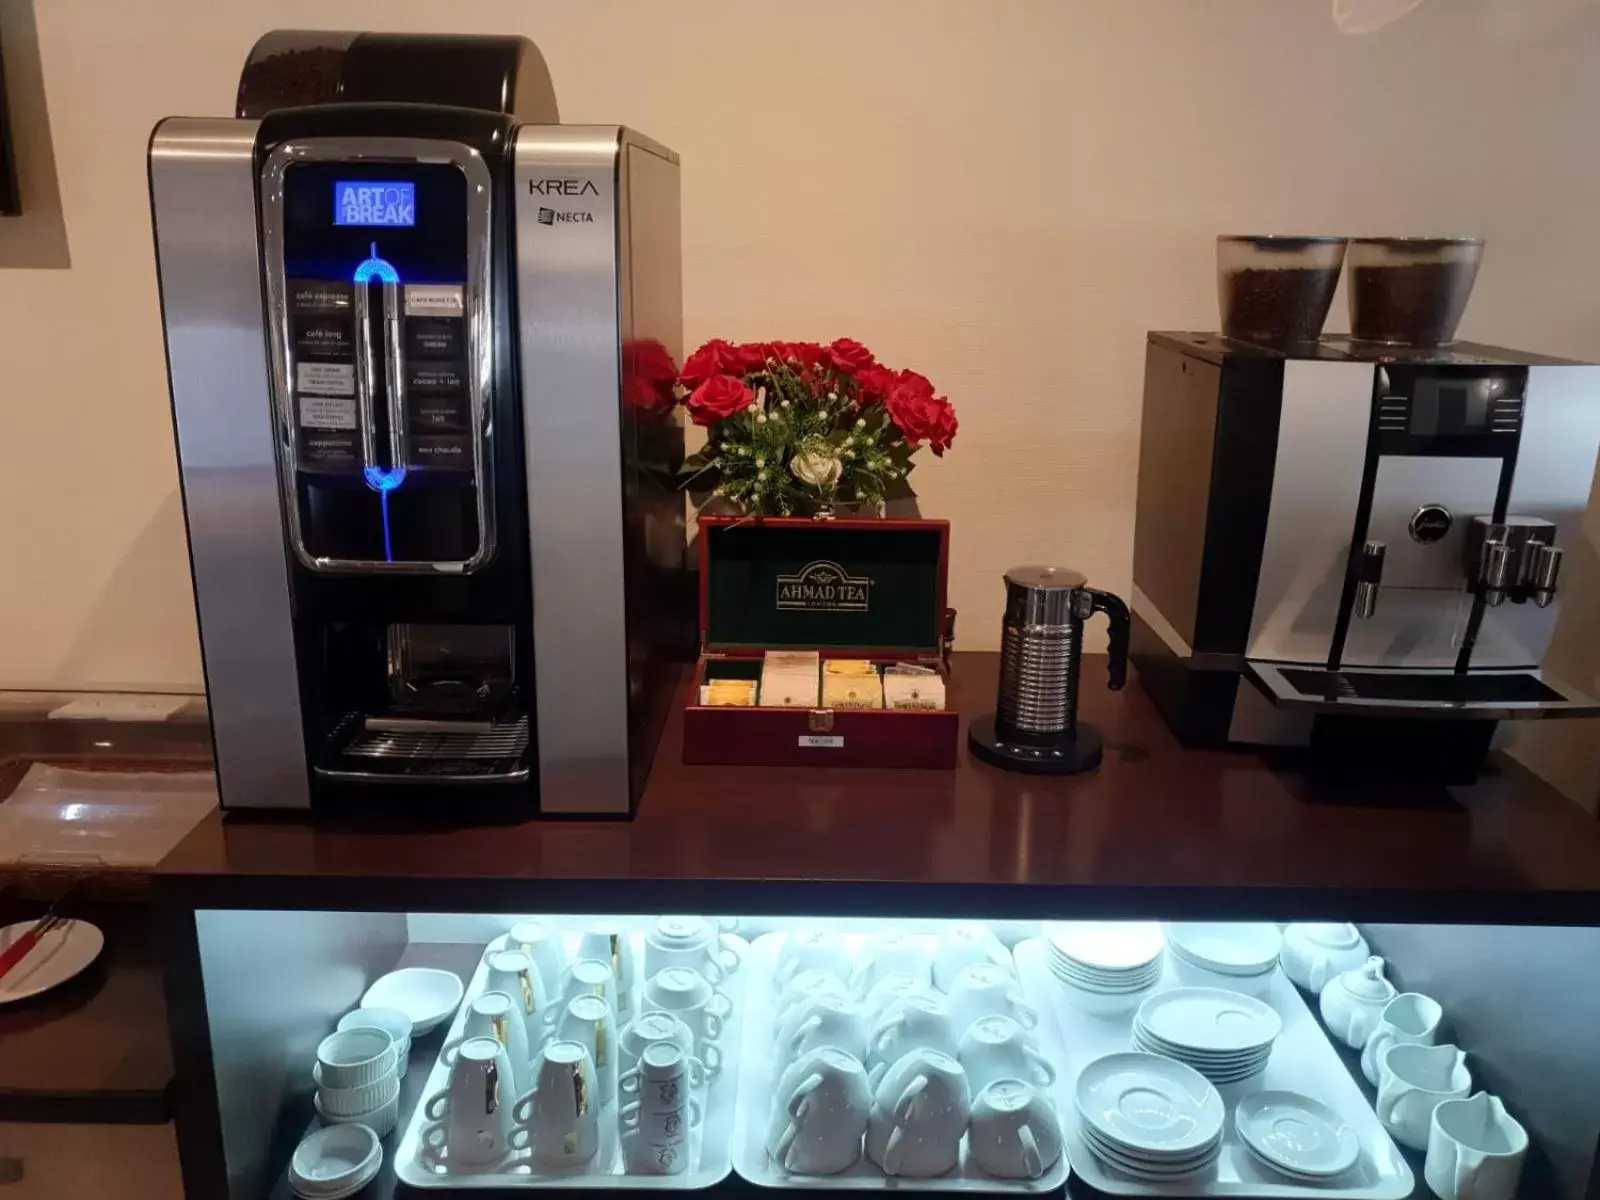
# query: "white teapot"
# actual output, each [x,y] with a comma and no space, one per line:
[1314,952]
[1353,1003]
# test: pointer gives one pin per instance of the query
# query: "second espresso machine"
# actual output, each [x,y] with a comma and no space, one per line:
[420,340]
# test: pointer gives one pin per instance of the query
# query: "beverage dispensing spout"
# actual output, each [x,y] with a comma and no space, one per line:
[1369,575]
[1542,573]
[1494,571]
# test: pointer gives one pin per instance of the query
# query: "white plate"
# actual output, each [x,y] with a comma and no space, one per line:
[1209,1019]
[1303,1060]
[428,996]
[1154,1045]
[1227,947]
[758,1074]
[1149,1103]
[1298,1133]
[1108,945]
[1145,1169]
[709,1160]
[62,954]
[1104,989]
[1067,966]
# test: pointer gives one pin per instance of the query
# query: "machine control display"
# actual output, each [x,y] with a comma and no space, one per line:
[1450,407]
[374,202]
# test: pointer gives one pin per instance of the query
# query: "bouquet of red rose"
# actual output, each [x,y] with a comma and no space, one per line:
[797,427]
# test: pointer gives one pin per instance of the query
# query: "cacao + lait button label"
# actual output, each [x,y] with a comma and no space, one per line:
[436,377]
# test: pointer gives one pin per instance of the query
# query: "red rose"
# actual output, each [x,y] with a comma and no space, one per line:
[850,356]
[874,382]
[803,354]
[716,357]
[717,398]
[919,414]
[648,373]
[749,357]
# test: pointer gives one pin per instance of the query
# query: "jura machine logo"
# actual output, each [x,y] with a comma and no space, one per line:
[824,586]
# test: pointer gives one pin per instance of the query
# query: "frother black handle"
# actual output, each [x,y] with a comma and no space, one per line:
[1117,614]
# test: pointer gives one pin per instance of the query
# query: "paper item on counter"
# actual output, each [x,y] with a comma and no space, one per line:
[908,686]
[789,679]
[851,690]
[728,693]
[117,706]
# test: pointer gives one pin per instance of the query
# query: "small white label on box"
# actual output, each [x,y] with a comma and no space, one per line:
[434,300]
[329,379]
[823,740]
[327,412]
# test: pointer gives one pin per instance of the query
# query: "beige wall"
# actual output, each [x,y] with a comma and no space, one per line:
[1005,194]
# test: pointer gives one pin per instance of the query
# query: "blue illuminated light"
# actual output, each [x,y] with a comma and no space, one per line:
[376,268]
[380,480]
[374,202]
[383,503]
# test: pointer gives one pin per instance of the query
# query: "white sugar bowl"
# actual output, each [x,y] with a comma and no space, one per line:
[1352,1003]
[1315,951]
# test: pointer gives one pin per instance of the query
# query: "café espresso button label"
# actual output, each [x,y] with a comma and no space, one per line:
[319,296]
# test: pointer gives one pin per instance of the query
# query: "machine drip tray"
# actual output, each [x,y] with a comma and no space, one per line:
[1519,688]
[385,750]
[1485,695]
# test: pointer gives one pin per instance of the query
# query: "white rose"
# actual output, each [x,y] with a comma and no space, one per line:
[817,467]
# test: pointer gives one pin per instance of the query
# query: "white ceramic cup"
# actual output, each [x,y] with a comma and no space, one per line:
[349,1058]
[689,996]
[824,1021]
[1409,1019]
[811,950]
[513,972]
[820,1111]
[693,942]
[588,977]
[564,1106]
[891,952]
[654,1025]
[919,1112]
[987,990]
[1413,1081]
[996,1048]
[587,1020]
[497,1015]
[608,942]
[964,944]
[915,1023]
[663,1108]
[1015,1132]
[392,1021]
[344,1104]
[1475,1150]
[811,983]
[542,943]
[888,991]
[477,1120]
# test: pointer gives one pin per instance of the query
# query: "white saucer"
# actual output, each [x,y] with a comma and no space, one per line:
[428,996]
[1144,1168]
[335,1161]
[1149,1104]
[1297,1134]
[62,954]
[1113,946]
[1209,1019]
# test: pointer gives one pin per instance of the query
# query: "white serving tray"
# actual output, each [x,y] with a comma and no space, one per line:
[1302,1061]
[709,1160]
[758,1076]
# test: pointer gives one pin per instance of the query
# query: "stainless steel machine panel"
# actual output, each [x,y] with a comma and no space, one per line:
[1322,446]
[202,192]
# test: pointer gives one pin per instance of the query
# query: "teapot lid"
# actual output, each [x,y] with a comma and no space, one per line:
[1334,935]
[1367,981]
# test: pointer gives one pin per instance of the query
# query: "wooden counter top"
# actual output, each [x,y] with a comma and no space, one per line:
[1158,829]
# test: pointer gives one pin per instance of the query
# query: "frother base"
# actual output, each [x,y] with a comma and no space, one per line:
[1082,753]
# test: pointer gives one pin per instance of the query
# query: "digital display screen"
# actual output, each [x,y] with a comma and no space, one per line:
[374,202]
[1450,408]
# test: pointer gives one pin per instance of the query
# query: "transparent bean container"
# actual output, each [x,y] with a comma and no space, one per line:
[1276,290]
[1411,291]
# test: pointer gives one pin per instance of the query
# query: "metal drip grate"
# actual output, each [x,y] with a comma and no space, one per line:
[433,753]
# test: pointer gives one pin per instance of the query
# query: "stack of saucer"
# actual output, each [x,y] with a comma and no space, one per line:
[1223,1035]
[1107,967]
[1241,956]
[1149,1117]
[1297,1136]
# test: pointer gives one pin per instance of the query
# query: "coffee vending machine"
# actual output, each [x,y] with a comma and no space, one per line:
[419,339]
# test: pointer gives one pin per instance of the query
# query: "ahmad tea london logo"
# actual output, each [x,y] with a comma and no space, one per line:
[824,586]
